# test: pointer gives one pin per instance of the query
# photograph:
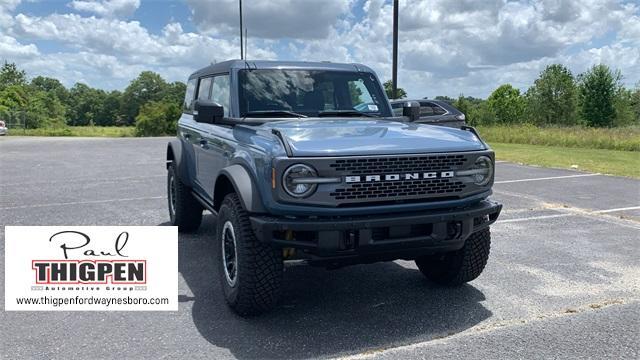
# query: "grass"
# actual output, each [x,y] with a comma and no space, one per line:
[625,138]
[623,163]
[82,131]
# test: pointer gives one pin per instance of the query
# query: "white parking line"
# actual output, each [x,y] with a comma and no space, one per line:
[81,203]
[87,180]
[614,210]
[545,178]
[542,217]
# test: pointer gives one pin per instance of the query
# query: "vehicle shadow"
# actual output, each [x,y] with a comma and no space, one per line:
[325,313]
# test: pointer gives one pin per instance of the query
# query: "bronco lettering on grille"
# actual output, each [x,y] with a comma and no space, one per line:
[397,177]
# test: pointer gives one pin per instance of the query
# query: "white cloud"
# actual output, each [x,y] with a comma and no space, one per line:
[446,47]
[272,19]
[11,49]
[118,50]
[107,8]
[6,7]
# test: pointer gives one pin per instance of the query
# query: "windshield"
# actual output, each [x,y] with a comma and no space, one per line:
[310,93]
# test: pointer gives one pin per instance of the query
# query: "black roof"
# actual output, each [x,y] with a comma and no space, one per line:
[448,106]
[225,66]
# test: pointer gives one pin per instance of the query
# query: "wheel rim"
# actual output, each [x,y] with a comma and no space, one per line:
[172,195]
[229,253]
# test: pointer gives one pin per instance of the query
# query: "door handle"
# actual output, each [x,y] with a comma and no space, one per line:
[186,136]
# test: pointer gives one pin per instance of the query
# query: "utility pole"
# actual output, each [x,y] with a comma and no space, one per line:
[241,41]
[394,75]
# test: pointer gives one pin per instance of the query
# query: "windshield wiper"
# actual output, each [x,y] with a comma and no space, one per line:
[269,113]
[343,113]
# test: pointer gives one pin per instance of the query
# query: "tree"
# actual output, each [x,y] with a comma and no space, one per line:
[174,92]
[551,99]
[13,97]
[109,109]
[623,105]
[598,89]
[85,105]
[157,118]
[52,86]
[44,110]
[445,99]
[635,103]
[148,86]
[507,104]
[10,75]
[388,88]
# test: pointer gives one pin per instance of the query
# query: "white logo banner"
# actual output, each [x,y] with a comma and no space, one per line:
[100,268]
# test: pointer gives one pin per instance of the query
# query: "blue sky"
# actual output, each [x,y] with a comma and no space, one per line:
[446,47]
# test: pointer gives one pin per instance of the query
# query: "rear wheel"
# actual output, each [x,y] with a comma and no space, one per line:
[250,271]
[460,266]
[184,210]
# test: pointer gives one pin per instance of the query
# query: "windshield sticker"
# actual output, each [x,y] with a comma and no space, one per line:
[373,107]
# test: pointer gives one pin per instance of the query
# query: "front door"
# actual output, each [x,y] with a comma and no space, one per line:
[212,147]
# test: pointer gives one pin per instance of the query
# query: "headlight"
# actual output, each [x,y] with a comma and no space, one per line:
[483,171]
[293,180]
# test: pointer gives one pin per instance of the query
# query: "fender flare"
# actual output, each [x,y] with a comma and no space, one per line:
[245,186]
[175,147]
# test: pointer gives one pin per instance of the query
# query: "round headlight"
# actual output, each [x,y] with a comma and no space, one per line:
[293,180]
[484,171]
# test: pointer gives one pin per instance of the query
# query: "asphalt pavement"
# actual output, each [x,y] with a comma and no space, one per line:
[563,279]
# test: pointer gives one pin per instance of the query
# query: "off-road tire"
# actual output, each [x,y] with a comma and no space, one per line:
[259,266]
[187,211]
[458,267]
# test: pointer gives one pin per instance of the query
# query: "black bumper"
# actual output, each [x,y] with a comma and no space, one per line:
[380,237]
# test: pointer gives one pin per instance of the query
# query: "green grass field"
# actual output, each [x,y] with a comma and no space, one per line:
[625,138]
[613,162]
[82,131]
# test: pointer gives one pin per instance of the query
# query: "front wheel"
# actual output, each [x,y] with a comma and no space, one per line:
[460,266]
[250,271]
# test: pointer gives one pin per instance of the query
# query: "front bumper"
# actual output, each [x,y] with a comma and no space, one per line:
[379,237]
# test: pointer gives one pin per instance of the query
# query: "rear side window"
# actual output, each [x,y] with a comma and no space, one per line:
[437,110]
[189,95]
[426,109]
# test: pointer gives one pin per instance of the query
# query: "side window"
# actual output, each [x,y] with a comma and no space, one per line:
[189,95]
[204,89]
[220,92]
[437,110]
[426,109]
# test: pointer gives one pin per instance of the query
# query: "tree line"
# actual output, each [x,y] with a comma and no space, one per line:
[595,98]
[149,102]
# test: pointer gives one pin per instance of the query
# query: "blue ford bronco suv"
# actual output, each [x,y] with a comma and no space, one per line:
[305,161]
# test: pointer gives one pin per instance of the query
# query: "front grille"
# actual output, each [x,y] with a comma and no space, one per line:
[399,190]
[398,164]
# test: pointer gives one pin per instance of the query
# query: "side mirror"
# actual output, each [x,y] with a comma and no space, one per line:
[207,112]
[411,109]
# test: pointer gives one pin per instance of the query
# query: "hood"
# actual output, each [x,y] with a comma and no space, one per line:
[351,136]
